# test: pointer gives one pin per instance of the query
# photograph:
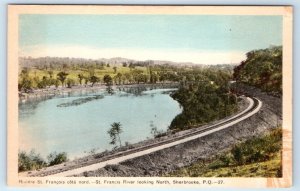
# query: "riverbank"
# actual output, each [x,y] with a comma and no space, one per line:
[52,91]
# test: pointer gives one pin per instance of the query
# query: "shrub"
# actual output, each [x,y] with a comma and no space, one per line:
[236,151]
[157,133]
[57,158]
[226,159]
[30,161]
[258,149]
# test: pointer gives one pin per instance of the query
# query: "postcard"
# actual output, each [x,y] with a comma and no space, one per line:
[149,96]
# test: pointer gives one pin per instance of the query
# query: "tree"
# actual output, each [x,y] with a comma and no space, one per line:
[119,77]
[86,80]
[124,64]
[80,76]
[237,154]
[107,79]
[115,69]
[153,77]
[56,83]
[114,133]
[138,75]
[25,83]
[70,83]
[44,82]
[141,78]
[128,77]
[94,79]
[62,76]
[24,73]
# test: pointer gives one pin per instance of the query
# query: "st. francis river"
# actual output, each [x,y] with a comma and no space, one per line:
[78,122]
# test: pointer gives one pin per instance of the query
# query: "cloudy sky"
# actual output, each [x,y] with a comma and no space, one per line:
[200,39]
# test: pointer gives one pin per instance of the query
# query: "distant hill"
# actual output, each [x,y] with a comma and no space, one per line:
[55,62]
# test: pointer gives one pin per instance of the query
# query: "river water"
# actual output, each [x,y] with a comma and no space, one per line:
[78,122]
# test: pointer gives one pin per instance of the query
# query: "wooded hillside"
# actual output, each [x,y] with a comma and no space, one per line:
[263,69]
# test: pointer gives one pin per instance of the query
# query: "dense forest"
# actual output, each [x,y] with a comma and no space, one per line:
[204,99]
[203,102]
[263,69]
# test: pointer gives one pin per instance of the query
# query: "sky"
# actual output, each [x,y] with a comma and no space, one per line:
[201,39]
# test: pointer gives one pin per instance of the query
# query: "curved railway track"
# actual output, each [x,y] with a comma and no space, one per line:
[253,108]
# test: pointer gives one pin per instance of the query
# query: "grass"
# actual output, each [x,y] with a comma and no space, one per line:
[270,168]
[258,157]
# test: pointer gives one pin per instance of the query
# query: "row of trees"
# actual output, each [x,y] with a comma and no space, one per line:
[153,74]
[26,83]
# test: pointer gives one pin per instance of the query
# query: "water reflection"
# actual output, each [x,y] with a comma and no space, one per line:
[28,106]
[110,90]
[137,91]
